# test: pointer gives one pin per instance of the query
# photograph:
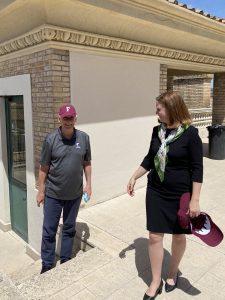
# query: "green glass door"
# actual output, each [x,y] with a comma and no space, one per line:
[17,164]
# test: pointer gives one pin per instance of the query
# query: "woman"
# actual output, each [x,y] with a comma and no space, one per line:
[175,162]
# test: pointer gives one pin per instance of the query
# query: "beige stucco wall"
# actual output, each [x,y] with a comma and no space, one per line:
[115,101]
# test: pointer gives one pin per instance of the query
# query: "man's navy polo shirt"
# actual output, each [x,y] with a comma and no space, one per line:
[65,159]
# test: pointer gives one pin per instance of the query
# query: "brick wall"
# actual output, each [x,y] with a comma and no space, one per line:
[194,89]
[169,83]
[163,79]
[50,86]
[218,111]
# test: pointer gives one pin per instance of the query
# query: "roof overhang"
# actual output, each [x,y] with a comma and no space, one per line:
[148,27]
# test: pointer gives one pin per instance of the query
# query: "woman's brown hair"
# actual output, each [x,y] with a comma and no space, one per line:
[176,108]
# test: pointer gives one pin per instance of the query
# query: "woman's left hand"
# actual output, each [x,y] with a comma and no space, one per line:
[194,208]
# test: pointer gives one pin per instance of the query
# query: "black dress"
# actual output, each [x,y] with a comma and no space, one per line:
[184,165]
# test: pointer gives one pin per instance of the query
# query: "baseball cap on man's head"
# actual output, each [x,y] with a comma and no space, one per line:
[67,110]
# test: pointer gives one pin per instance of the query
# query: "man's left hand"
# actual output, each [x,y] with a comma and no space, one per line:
[88,190]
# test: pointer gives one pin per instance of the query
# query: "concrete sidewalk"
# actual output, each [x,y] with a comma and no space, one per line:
[118,267]
[119,225]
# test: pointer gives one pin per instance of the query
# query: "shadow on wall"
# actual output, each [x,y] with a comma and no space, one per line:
[82,236]
[140,246]
[80,240]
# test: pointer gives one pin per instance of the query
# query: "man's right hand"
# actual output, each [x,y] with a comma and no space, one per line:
[40,198]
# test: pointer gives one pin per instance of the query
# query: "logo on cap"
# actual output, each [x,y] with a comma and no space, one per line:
[205,228]
[67,110]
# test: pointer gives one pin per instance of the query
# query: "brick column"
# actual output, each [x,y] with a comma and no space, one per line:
[163,79]
[218,111]
[170,83]
[50,86]
[195,89]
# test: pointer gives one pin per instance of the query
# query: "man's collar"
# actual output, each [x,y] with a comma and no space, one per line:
[62,137]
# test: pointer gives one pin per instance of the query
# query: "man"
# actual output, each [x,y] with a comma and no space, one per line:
[66,154]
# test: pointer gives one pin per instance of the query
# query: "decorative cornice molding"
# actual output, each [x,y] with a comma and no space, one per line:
[51,33]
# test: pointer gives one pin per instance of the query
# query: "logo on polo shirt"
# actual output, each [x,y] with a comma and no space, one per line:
[77,145]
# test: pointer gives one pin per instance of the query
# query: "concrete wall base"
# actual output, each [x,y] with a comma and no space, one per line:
[5,226]
[32,252]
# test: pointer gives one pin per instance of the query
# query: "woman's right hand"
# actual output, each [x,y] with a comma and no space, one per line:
[130,186]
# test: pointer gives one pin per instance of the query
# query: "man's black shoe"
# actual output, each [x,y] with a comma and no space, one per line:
[45,269]
[64,260]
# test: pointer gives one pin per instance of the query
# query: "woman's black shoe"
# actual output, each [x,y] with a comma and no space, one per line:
[158,292]
[169,287]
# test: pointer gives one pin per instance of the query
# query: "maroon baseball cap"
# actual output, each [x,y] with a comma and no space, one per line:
[183,217]
[67,110]
[202,226]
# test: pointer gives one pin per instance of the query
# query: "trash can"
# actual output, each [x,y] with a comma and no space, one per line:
[216,141]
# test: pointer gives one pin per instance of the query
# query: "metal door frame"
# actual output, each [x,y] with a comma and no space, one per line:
[12,180]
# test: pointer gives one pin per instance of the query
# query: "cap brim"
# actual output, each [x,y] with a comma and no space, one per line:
[184,201]
[183,217]
[67,115]
[214,237]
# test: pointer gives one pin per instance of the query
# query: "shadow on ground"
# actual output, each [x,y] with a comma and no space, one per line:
[80,241]
[140,246]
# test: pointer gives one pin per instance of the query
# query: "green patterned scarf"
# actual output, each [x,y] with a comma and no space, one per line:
[161,158]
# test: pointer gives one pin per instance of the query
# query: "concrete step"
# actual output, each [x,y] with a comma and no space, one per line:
[93,249]
[91,235]
[62,280]
[8,290]
[25,272]
[13,255]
